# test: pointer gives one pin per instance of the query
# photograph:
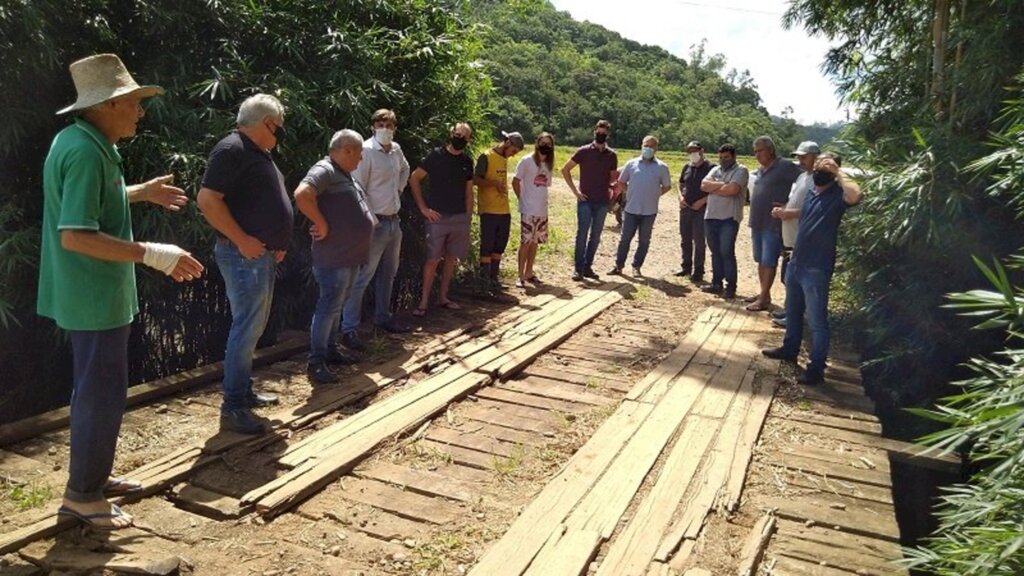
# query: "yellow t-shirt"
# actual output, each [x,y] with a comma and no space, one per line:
[492,166]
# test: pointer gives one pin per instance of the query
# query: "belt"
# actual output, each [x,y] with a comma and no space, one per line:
[383,217]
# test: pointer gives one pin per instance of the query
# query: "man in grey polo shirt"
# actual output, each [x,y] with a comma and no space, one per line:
[383,174]
[775,178]
[726,186]
[646,179]
[342,231]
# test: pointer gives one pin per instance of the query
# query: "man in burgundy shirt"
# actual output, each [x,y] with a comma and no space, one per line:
[597,162]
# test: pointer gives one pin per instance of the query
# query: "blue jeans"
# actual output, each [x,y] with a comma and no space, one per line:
[589,221]
[721,237]
[250,288]
[385,247]
[335,284]
[807,291]
[97,406]
[767,246]
[630,224]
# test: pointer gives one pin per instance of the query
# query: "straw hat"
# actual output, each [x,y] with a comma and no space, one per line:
[102,77]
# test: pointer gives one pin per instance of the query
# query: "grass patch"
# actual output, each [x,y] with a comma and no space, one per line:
[435,555]
[27,496]
[508,466]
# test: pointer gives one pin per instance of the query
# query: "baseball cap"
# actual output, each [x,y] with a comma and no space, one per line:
[694,144]
[807,147]
[515,138]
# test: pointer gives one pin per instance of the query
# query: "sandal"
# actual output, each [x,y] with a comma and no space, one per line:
[534,279]
[121,487]
[419,312]
[449,305]
[90,519]
[757,307]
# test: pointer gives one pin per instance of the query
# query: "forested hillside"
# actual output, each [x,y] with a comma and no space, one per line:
[553,73]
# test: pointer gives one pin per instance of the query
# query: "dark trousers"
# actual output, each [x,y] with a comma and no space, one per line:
[631,224]
[691,232]
[721,238]
[97,405]
[807,296]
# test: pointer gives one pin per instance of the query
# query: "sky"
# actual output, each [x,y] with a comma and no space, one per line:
[785,64]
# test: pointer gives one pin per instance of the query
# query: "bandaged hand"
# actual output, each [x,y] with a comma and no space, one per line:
[162,257]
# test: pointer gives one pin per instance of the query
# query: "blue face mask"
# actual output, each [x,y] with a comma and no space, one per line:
[647,152]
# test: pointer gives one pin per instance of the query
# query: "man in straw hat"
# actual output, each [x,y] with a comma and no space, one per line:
[87,272]
[243,197]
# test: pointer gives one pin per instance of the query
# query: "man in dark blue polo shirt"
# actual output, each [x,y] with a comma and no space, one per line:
[243,197]
[810,269]
[597,162]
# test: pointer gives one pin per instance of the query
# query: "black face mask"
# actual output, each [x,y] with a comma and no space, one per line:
[459,143]
[823,178]
[545,150]
[280,133]
[600,137]
[727,164]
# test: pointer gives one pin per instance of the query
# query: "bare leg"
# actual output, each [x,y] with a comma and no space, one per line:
[446,278]
[429,270]
[767,277]
[531,257]
[524,250]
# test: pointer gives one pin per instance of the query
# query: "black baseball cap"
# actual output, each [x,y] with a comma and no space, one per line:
[694,145]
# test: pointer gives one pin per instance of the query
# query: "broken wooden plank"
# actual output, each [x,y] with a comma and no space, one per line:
[400,502]
[207,503]
[755,545]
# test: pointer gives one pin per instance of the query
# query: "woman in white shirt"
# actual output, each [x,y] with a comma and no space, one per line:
[533,176]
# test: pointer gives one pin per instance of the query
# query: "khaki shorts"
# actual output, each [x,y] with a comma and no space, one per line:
[534,230]
[448,237]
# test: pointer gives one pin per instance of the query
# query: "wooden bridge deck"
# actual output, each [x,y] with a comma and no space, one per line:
[567,436]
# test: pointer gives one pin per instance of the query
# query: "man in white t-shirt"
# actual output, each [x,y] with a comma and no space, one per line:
[806,155]
[530,183]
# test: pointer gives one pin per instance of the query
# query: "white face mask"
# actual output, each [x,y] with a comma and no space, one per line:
[695,158]
[384,135]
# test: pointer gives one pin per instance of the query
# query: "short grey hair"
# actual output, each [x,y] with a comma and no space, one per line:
[768,143]
[256,108]
[346,139]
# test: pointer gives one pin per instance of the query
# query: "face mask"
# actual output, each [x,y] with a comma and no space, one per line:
[459,143]
[601,137]
[823,178]
[384,135]
[279,134]
[647,152]
[695,158]
[545,150]
[727,164]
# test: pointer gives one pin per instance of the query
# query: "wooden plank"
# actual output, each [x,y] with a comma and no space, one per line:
[818,419]
[852,543]
[755,545]
[589,382]
[206,502]
[378,523]
[491,415]
[852,402]
[829,470]
[423,482]
[834,555]
[501,433]
[555,389]
[846,455]
[514,551]
[757,412]
[521,399]
[786,566]
[459,455]
[483,444]
[400,502]
[804,483]
[520,411]
[567,556]
[859,519]
[632,551]
[652,386]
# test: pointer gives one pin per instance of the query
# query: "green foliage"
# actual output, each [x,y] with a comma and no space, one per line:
[981,524]
[556,74]
[330,62]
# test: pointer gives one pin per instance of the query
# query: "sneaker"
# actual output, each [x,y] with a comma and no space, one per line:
[779,353]
[636,272]
[712,289]
[319,373]
[258,400]
[811,378]
[393,327]
[589,273]
[352,342]
[779,322]
[697,278]
[729,294]
[335,356]
[615,271]
[682,273]
[242,421]
[577,276]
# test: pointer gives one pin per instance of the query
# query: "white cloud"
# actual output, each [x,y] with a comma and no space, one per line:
[785,64]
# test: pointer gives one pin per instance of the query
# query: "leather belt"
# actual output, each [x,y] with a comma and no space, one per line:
[383,217]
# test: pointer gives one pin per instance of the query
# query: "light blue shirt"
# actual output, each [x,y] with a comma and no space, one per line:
[645,180]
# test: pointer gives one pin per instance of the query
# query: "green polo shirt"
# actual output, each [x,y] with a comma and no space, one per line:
[83,189]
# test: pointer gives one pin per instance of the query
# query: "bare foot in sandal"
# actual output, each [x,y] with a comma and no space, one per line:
[101,514]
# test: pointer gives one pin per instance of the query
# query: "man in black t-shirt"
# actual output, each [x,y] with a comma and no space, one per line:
[243,197]
[447,208]
[691,212]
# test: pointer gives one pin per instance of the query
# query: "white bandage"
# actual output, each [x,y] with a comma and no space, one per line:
[163,257]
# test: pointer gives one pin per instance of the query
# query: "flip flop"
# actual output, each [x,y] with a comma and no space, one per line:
[89,519]
[750,299]
[757,307]
[419,312]
[534,279]
[449,305]
[121,487]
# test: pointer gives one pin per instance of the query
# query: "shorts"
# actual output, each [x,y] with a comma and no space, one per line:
[767,246]
[495,230]
[448,237]
[534,230]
